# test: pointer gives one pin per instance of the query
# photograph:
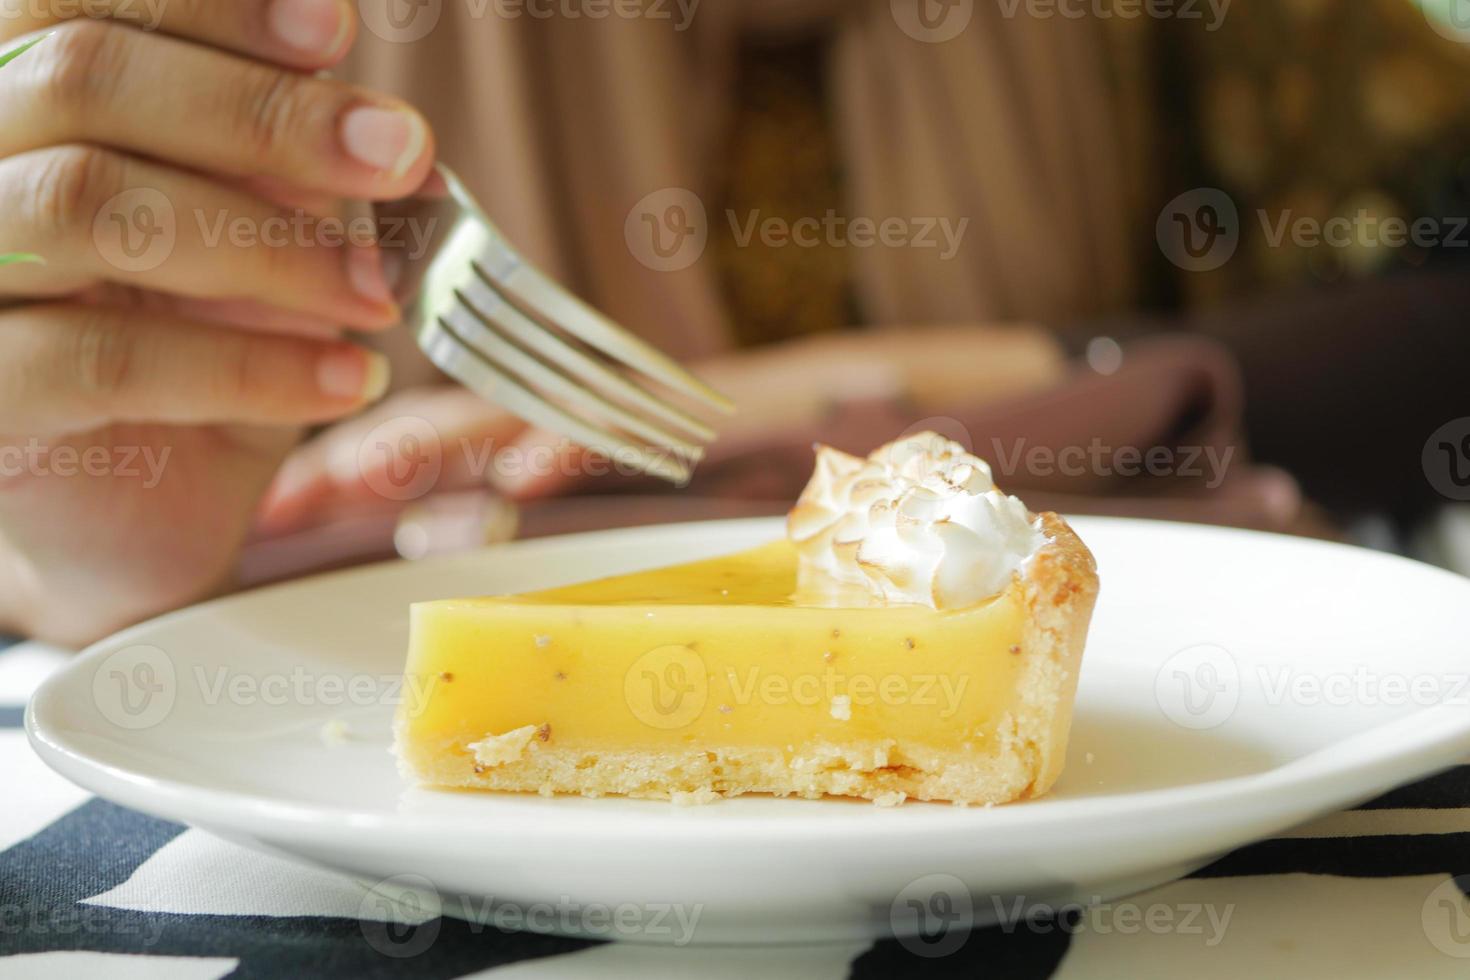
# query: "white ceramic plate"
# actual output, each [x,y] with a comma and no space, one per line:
[1234,684]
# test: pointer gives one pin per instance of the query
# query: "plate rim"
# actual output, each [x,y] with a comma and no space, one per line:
[1429,745]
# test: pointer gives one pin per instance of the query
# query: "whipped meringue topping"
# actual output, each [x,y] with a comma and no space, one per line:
[919,521]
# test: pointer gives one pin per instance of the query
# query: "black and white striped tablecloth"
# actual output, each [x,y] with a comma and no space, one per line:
[89,889]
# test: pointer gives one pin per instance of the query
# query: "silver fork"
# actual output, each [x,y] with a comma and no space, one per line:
[500,327]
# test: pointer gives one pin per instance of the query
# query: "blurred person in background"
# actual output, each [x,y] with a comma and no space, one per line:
[1097,246]
[1053,145]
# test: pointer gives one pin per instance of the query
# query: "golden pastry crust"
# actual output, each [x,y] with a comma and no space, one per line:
[1057,588]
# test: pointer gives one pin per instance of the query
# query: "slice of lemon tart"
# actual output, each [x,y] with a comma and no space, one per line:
[916,635]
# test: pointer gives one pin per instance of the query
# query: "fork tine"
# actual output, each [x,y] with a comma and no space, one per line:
[472,324]
[460,361]
[507,332]
[486,300]
[507,268]
[554,304]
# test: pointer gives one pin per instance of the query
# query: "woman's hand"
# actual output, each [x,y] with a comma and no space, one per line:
[419,441]
[448,438]
[184,188]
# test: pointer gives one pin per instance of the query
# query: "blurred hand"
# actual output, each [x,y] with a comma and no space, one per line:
[419,441]
[440,439]
[147,392]
[930,368]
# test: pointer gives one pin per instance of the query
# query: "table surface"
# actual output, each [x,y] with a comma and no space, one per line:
[92,889]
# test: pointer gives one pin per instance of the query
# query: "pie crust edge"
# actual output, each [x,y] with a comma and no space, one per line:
[1058,589]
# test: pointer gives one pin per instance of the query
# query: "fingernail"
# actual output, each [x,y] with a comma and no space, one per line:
[509,483]
[385,139]
[365,273]
[291,479]
[1280,494]
[378,376]
[315,26]
[353,373]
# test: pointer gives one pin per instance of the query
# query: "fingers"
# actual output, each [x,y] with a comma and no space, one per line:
[96,215]
[305,34]
[532,482]
[246,314]
[319,203]
[449,432]
[72,367]
[98,82]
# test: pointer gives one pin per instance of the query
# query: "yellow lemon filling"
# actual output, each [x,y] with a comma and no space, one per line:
[719,677]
